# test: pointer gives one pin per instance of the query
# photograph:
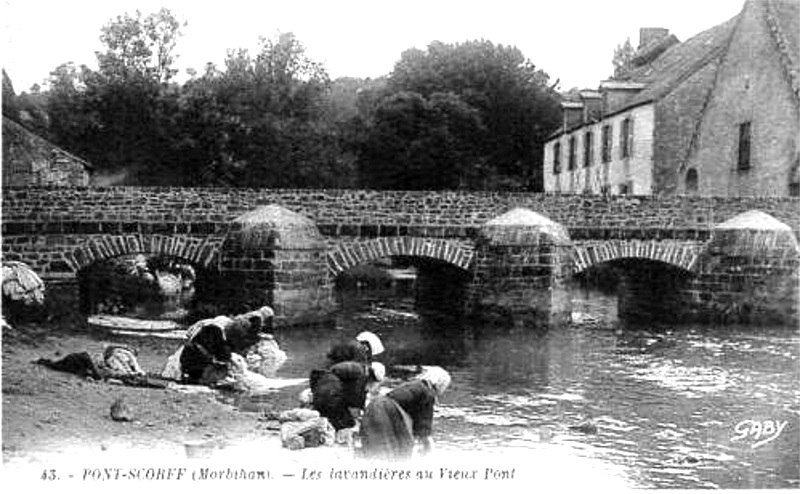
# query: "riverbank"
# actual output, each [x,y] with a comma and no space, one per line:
[49,414]
[58,426]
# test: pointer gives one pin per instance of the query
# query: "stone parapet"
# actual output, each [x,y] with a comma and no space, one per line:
[372,213]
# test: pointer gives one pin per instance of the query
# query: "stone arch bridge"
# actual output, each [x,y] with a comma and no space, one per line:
[701,258]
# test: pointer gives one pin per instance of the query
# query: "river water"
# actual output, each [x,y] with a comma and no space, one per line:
[670,404]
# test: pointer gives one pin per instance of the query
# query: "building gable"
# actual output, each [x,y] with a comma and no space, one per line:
[29,159]
[754,90]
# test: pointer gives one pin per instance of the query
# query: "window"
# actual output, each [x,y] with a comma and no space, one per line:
[572,153]
[556,158]
[744,146]
[691,181]
[588,142]
[623,189]
[626,139]
[607,136]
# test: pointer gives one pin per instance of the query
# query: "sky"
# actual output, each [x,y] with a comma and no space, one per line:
[572,40]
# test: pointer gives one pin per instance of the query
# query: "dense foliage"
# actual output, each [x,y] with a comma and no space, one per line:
[491,113]
[469,115]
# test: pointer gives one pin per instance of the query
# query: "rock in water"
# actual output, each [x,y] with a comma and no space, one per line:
[586,427]
[121,411]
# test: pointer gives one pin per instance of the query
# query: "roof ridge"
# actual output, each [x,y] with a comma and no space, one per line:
[789,64]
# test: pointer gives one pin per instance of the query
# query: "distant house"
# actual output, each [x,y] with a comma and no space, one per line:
[718,114]
[29,159]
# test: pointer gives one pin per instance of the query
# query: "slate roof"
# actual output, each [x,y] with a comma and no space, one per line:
[20,144]
[662,73]
[679,62]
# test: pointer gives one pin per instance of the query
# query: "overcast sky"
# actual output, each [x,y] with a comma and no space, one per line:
[572,40]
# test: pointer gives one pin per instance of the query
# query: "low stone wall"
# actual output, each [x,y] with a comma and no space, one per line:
[361,213]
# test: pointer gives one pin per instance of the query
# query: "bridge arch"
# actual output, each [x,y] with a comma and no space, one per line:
[682,255]
[197,251]
[350,254]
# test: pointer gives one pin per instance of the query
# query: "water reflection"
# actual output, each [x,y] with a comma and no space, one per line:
[155,287]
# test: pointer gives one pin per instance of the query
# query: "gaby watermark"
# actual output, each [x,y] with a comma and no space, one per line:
[760,431]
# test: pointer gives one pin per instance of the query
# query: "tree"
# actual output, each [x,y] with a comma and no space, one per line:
[622,61]
[422,143]
[118,116]
[259,121]
[140,47]
[346,96]
[516,106]
[71,119]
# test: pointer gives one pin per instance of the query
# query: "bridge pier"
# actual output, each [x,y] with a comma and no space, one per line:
[749,272]
[272,256]
[521,271]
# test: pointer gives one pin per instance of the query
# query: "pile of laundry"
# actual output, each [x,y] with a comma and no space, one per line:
[117,364]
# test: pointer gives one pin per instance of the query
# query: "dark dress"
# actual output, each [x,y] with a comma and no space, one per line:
[386,431]
[208,350]
[338,389]
[391,422]
[417,399]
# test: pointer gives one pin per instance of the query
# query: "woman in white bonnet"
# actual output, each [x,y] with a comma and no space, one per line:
[392,422]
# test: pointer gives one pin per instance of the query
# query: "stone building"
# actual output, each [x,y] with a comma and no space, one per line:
[29,159]
[718,114]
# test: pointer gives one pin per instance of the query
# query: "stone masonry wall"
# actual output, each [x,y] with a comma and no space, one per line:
[747,277]
[209,211]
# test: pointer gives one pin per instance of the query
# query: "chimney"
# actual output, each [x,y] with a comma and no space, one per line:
[648,35]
